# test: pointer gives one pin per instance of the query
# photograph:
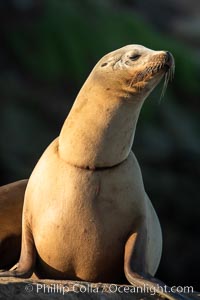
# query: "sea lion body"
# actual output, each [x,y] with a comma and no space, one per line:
[86,214]
[91,222]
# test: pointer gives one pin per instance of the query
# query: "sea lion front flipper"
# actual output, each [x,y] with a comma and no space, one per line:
[24,268]
[135,268]
[11,204]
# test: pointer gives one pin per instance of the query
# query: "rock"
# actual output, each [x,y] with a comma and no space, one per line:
[29,289]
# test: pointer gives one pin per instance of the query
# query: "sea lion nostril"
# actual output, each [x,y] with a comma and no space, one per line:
[168,55]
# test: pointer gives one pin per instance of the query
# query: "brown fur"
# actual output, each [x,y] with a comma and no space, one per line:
[11,203]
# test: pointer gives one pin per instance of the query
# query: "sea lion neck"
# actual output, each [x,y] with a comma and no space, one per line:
[100,127]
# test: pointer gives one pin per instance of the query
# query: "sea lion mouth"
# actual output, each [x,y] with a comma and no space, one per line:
[165,64]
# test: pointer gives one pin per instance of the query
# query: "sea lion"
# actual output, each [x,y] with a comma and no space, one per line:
[11,203]
[86,213]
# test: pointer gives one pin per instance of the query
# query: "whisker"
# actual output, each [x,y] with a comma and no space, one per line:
[130,85]
[169,75]
[172,71]
[165,84]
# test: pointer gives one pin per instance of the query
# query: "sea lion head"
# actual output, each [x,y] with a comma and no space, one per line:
[100,128]
[134,71]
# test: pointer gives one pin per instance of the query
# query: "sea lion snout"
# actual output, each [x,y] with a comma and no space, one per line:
[169,59]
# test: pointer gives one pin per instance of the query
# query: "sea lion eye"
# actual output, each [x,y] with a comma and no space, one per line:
[134,57]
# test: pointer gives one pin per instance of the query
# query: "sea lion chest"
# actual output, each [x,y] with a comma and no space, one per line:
[76,214]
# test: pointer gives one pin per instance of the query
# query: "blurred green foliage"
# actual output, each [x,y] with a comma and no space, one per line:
[66,41]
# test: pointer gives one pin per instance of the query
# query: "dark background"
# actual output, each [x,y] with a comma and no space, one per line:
[47,51]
